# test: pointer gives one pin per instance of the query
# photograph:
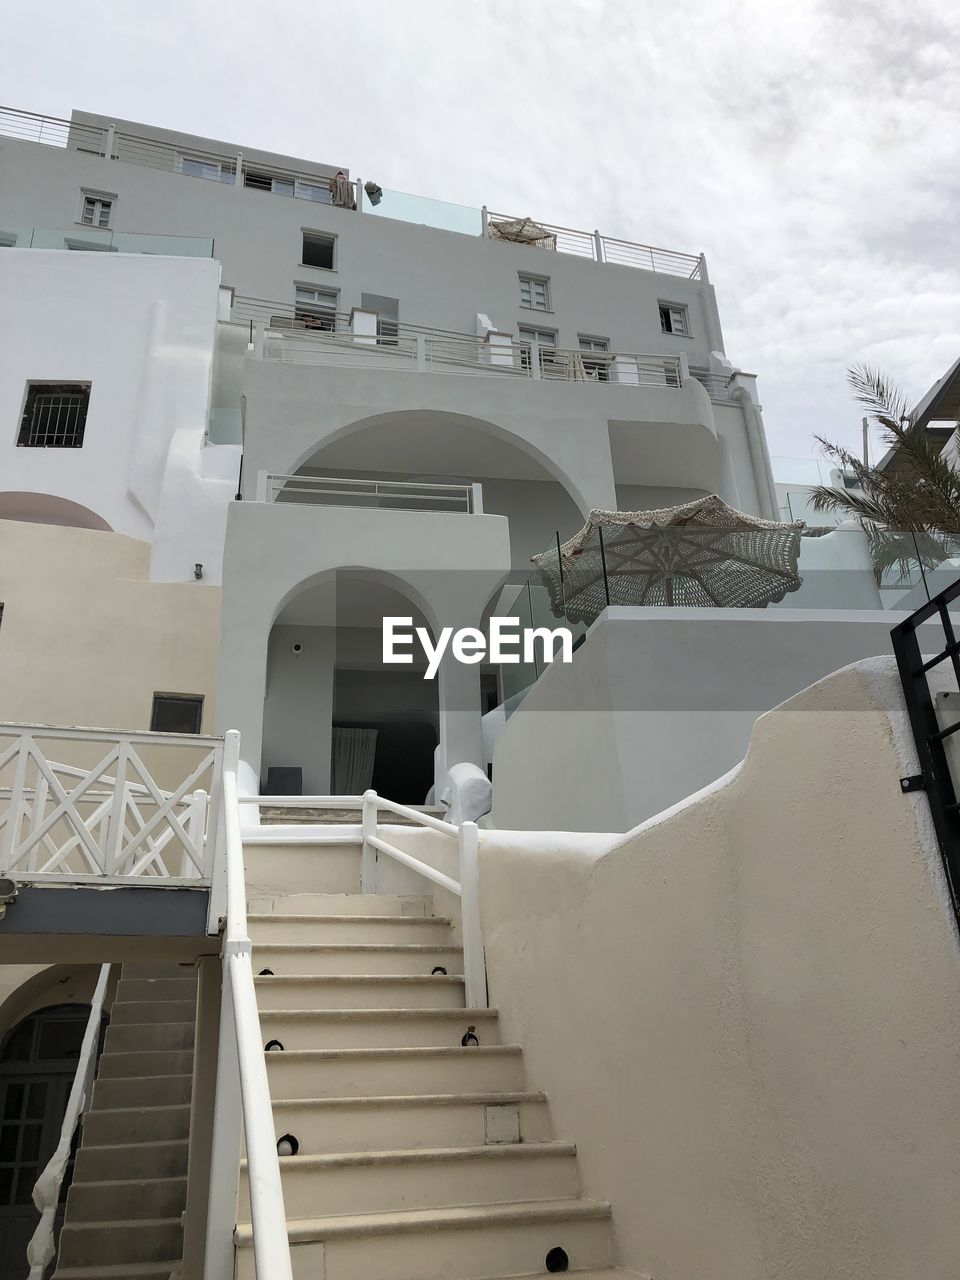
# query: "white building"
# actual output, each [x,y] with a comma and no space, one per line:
[253,406]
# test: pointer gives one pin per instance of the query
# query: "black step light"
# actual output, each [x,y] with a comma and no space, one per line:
[469,1037]
[557,1260]
[287,1145]
[265,973]
[438,968]
[272,1045]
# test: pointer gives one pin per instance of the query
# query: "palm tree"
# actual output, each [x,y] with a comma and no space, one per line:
[920,497]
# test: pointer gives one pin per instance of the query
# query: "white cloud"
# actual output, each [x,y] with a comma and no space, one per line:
[809,150]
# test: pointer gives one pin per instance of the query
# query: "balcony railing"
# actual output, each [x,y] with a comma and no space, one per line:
[232,169]
[98,240]
[362,340]
[395,495]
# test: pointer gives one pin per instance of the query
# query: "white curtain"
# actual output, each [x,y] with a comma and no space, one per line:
[353,753]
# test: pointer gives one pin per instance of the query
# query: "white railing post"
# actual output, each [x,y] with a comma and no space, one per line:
[702,275]
[194,826]
[484,221]
[683,368]
[474,965]
[535,370]
[238,172]
[421,341]
[117,822]
[46,1192]
[476,499]
[598,246]
[15,809]
[111,141]
[368,860]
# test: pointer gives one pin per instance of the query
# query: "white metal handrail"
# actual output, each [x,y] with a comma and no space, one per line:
[271,1245]
[467,888]
[396,494]
[46,1192]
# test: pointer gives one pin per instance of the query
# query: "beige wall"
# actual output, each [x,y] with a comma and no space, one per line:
[86,639]
[747,1013]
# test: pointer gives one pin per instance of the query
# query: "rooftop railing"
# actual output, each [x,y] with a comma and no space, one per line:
[233,169]
[99,240]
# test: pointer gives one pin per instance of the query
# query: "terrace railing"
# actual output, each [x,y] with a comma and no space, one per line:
[396,495]
[232,169]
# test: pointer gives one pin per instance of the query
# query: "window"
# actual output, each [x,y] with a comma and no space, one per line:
[674,319]
[316,308]
[176,713]
[318,250]
[214,170]
[535,292]
[317,191]
[596,361]
[54,415]
[96,209]
[260,181]
[545,337]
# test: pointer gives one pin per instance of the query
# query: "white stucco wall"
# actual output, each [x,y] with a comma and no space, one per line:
[141,330]
[746,1013]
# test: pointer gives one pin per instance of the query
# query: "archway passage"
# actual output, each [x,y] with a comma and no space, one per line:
[335,714]
[435,448]
[47,508]
[38,1061]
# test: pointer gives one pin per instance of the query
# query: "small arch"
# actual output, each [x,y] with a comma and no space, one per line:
[49,508]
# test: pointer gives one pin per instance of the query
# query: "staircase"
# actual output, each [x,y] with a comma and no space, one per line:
[124,1207]
[412,1147]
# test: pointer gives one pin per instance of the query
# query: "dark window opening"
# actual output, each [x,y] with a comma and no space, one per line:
[317,251]
[176,713]
[54,416]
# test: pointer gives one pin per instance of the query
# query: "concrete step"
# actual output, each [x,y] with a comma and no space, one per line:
[131,1125]
[127,1037]
[377,1028]
[328,1125]
[347,959]
[178,989]
[149,1198]
[145,1063]
[301,868]
[343,1073]
[120,1271]
[142,1240]
[391,1181]
[142,1091]
[290,928]
[140,1011]
[439,1244]
[358,992]
[341,904]
[129,1162]
[153,969]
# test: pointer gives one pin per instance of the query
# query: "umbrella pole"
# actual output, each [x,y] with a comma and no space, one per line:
[563,593]
[603,561]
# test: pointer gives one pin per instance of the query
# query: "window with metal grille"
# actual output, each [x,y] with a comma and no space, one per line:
[535,292]
[96,210]
[546,338]
[54,415]
[316,308]
[318,250]
[674,319]
[263,181]
[596,362]
[176,713]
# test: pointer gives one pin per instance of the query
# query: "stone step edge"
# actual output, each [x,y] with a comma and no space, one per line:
[426,1155]
[408,979]
[254,917]
[385,948]
[376,1101]
[155,1144]
[388,1014]
[128,1182]
[118,1271]
[304,1230]
[413,1051]
[110,1224]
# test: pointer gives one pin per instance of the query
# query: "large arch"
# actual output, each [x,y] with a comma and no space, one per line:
[48,508]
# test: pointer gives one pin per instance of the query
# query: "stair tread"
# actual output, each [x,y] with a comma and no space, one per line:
[416,948]
[155,1143]
[261,917]
[399,1015]
[415,1099]
[357,1224]
[415,1051]
[428,1155]
[107,1223]
[411,979]
[140,1182]
[118,1271]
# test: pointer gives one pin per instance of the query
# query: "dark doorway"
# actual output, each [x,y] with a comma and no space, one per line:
[38,1061]
[403,764]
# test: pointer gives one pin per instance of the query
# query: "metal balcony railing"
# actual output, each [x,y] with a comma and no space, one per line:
[395,495]
[232,169]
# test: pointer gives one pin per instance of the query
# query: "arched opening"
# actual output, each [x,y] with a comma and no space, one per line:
[437,448]
[47,508]
[38,1061]
[337,719]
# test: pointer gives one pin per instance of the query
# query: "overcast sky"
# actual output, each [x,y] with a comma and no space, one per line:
[810,149]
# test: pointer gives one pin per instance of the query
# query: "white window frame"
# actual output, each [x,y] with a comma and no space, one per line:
[546,340]
[316,306]
[677,318]
[221,170]
[99,201]
[309,233]
[280,185]
[306,187]
[595,356]
[529,285]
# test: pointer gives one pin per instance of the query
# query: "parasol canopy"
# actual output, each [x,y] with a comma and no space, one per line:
[521,231]
[703,553]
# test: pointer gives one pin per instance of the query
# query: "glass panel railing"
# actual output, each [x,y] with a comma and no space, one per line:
[404,207]
[101,240]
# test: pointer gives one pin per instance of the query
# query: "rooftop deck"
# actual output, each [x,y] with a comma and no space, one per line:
[217,162]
